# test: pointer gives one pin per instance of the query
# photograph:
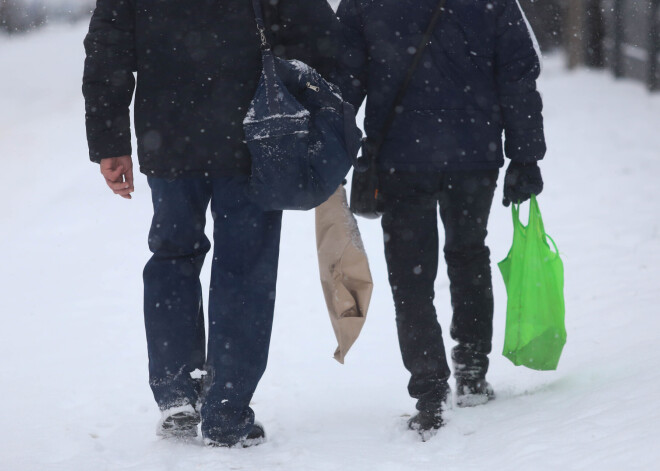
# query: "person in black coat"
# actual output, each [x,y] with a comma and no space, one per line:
[476,80]
[197,68]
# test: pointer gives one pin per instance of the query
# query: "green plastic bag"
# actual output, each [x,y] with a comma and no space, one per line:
[534,277]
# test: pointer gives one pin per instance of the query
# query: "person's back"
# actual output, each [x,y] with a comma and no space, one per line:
[476,77]
[197,67]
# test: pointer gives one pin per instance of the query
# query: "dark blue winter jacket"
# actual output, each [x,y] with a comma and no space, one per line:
[476,79]
[198,64]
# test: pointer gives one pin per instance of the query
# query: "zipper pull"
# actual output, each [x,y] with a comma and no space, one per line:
[312,87]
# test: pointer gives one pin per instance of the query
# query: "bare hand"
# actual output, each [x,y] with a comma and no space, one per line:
[118,173]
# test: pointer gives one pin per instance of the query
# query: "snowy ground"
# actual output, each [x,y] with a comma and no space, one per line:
[73,371]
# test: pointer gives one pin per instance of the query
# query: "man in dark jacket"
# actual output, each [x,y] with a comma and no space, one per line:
[476,79]
[197,69]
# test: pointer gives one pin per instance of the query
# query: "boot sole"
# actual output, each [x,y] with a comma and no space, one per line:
[182,425]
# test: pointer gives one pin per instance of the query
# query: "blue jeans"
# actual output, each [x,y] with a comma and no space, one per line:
[241,299]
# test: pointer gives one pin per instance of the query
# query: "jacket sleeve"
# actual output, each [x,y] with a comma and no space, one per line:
[352,70]
[309,31]
[517,67]
[108,80]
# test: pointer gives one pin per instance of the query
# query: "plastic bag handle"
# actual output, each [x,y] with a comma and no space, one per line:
[515,212]
[553,243]
[536,212]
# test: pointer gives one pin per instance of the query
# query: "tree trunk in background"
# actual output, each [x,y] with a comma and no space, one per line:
[545,18]
[4,24]
[594,34]
[574,38]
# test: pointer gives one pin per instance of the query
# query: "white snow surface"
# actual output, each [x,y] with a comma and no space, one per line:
[73,375]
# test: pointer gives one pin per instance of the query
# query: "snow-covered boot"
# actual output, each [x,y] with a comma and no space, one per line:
[255,437]
[426,421]
[431,407]
[473,392]
[179,422]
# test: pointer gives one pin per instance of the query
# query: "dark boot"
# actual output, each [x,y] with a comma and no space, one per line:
[427,421]
[470,368]
[256,436]
[473,392]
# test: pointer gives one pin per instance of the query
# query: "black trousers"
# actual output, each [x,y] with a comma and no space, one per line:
[410,229]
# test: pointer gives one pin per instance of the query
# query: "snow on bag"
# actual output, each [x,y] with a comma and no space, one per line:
[534,277]
[302,136]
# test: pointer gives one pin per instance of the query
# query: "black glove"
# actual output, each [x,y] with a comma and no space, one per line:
[521,181]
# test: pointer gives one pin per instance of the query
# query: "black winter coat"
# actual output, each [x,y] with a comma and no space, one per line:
[476,79]
[197,64]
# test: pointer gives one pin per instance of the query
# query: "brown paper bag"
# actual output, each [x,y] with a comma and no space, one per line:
[344,269]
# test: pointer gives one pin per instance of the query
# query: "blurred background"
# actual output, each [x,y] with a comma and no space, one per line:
[23,16]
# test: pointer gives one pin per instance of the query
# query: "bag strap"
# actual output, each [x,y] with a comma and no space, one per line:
[269,71]
[406,82]
[261,24]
